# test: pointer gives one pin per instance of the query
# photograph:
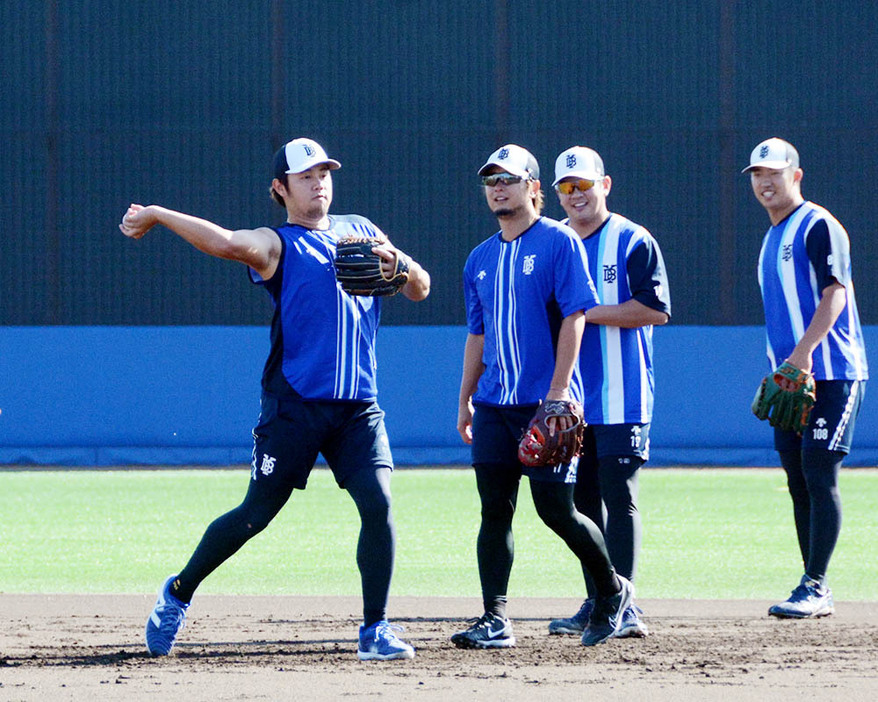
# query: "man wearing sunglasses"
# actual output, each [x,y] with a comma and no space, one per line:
[319,391]
[626,265]
[526,289]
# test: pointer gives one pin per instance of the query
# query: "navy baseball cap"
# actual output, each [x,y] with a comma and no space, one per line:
[513,159]
[299,155]
[773,153]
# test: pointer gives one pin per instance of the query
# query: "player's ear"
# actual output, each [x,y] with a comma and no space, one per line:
[798,174]
[608,183]
[279,187]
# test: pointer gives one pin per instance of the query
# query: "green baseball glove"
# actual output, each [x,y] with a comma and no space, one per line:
[785,398]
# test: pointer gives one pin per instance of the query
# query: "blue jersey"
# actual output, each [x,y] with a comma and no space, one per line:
[800,257]
[322,339]
[625,263]
[517,294]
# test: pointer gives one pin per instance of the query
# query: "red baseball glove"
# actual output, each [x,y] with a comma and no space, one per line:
[541,446]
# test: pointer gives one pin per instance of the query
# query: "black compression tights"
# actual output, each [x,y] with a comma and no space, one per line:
[812,479]
[370,490]
[498,491]
[606,492]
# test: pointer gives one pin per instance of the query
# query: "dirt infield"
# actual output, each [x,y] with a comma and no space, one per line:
[61,647]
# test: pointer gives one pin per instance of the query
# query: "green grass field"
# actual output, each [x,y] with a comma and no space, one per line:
[710,533]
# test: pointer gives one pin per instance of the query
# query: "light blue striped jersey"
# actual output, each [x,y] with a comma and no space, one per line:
[322,339]
[625,262]
[517,294]
[800,257]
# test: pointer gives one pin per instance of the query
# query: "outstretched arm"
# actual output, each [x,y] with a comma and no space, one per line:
[258,248]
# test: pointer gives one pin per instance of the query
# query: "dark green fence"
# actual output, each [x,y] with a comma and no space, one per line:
[183,103]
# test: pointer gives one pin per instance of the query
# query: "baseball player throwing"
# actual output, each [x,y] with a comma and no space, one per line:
[318,386]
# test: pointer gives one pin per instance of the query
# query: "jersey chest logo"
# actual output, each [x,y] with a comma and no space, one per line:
[528,265]
[610,273]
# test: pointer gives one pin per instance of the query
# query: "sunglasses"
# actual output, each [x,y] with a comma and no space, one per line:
[568,186]
[505,178]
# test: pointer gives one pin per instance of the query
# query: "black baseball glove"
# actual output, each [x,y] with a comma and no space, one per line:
[359,270]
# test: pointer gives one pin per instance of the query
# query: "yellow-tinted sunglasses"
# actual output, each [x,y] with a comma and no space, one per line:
[566,187]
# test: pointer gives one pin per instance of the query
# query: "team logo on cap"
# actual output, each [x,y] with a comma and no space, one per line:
[504,154]
[763,152]
[571,160]
[308,150]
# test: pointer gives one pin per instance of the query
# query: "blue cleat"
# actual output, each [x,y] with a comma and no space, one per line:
[379,642]
[809,599]
[576,623]
[166,621]
[606,617]
[632,625]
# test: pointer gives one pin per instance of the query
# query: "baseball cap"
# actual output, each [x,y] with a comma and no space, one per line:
[299,155]
[579,162]
[513,159]
[773,153]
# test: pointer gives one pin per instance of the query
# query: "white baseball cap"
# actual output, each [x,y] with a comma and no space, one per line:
[774,153]
[513,159]
[299,155]
[578,162]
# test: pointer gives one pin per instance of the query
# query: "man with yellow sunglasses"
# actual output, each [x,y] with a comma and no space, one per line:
[615,360]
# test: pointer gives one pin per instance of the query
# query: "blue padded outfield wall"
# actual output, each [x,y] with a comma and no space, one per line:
[118,396]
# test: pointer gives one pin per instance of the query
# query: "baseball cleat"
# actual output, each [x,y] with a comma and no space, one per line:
[606,617]
[809,599]
[576,623]
[632,625]
[379,642]
[488,631]
[167,619]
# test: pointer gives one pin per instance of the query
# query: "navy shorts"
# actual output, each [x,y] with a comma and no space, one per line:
[602,440]
[832,420]
[291,432]
[496,433]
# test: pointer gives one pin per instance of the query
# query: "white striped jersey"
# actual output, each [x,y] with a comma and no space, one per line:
[625,262]
[800,257]
[517,294]
[322,339]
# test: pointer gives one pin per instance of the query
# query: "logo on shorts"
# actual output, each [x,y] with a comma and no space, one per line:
[528,267]
[821,432]
[267,467]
